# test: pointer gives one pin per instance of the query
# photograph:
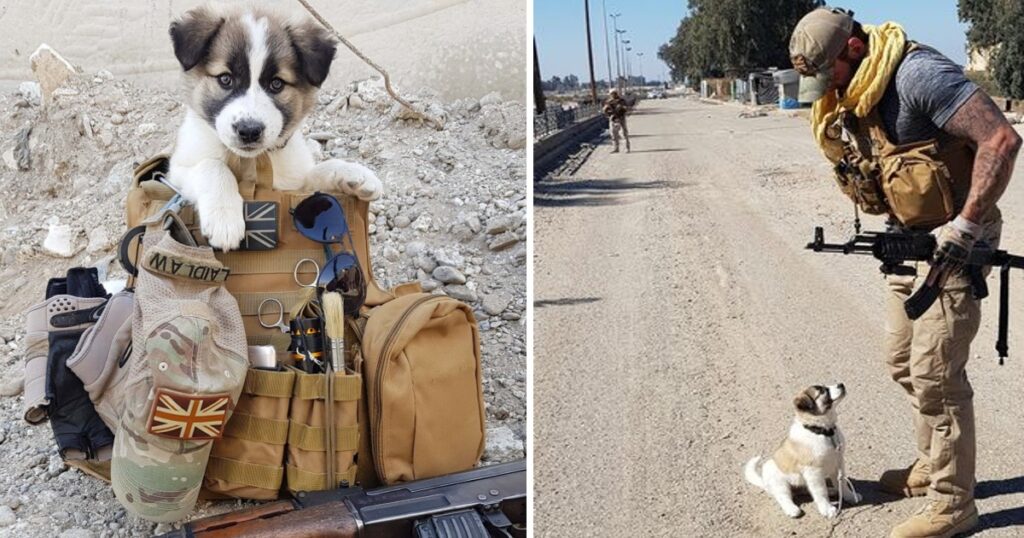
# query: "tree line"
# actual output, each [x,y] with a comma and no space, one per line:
[733,37]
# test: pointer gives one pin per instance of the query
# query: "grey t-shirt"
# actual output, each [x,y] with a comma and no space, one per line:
[926,91]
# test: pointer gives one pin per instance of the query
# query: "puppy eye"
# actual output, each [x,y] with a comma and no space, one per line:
[276,85]
[225,80]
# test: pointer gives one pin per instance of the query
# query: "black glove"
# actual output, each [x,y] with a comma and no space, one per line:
[77,428]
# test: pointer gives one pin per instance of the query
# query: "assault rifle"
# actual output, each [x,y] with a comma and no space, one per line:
[894,249]
[486,502]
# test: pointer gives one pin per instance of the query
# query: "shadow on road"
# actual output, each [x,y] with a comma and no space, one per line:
[591,192]
[567,301]
[1011,517]
[660,150]
[992,488]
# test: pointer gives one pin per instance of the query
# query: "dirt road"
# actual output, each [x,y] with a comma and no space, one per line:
[676,314]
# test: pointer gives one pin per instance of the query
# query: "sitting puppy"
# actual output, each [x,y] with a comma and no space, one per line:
[812,453]
[252,78]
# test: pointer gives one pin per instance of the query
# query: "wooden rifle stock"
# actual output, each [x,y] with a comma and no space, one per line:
[468,504]
[279,519]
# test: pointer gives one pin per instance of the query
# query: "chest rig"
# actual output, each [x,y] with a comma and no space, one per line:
[920,184]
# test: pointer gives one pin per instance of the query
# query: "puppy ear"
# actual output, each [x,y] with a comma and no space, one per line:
[803,402]
[193,34]
[314,51]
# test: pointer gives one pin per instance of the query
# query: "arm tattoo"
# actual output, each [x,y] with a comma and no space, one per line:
[980,121]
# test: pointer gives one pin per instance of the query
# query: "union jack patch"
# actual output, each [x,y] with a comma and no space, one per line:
[260,226]
[189,417]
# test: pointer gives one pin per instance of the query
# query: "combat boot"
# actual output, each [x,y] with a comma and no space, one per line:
[938,519]
[910,482]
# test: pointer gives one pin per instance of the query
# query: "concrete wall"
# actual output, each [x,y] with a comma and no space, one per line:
[461,48]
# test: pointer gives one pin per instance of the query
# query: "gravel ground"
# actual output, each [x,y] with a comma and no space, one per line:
[453,216]
[694,315]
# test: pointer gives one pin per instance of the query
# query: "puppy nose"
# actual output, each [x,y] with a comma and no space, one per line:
[841,386]
[249,131]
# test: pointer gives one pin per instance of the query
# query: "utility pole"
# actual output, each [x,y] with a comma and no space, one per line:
[538,90]
[626,60]
[607,49]
[590,52]
[618,67]
[641,56]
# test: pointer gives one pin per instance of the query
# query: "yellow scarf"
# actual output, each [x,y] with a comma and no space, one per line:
[887,42]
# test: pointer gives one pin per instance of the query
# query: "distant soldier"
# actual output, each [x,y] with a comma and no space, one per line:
[615,110]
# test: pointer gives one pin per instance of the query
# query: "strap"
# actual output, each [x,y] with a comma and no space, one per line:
[1002,346]
[78,317]
[827,432]
[264,172]
[247,189]
[257,429]
[277,261]
[347,388]
[306,437]
[170,264]
[407,288]
[272,384]
[247,474]
[303,480]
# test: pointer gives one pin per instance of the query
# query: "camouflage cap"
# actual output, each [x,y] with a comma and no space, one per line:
[818,39]
[187,369]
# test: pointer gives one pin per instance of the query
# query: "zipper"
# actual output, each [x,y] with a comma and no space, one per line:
[382,363]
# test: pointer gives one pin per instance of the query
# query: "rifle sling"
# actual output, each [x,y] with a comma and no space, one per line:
[1002,344]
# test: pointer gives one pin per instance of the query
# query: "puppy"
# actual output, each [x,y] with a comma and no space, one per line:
[810,454]
[251,77]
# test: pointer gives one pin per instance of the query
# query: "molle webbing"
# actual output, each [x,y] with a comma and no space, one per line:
[264,477]
[312,438]
[302,480]
[261,429]
[346,388]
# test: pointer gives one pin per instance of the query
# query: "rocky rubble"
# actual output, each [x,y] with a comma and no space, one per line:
[453,217]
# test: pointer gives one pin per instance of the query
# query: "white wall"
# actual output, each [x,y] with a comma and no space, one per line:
[461,48]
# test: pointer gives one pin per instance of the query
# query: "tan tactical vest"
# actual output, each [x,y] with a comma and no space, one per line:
[920,184]
[420,412]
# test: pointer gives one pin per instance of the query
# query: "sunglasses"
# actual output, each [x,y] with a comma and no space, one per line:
[320,218]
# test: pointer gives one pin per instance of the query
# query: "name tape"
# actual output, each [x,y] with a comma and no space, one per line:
[159,262]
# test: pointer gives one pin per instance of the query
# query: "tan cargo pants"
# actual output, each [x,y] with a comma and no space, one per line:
[615,127]
[928,358]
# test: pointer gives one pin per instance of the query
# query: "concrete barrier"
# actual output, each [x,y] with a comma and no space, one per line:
[550,150]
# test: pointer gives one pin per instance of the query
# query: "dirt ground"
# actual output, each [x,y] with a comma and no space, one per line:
[677,313]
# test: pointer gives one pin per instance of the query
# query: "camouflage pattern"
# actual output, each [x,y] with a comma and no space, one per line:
[187,339]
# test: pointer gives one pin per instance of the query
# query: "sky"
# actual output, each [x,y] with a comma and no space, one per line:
[562,40]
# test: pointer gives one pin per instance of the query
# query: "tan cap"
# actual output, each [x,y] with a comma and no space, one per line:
[818,39]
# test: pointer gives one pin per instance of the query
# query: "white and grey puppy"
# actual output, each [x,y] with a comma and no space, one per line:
[252,77]
[810,454]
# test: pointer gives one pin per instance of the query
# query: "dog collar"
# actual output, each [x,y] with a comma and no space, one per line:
[827,432]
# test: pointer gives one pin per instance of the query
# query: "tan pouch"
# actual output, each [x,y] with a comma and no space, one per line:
[424,397]
[248,461]
[917,185]
[308,443]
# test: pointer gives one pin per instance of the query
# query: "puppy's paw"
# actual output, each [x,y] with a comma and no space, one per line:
[829,512]
[793,511]
[223,224]
[353,179]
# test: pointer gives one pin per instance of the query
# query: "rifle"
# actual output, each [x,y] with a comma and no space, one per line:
[894,249]
[484,502]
